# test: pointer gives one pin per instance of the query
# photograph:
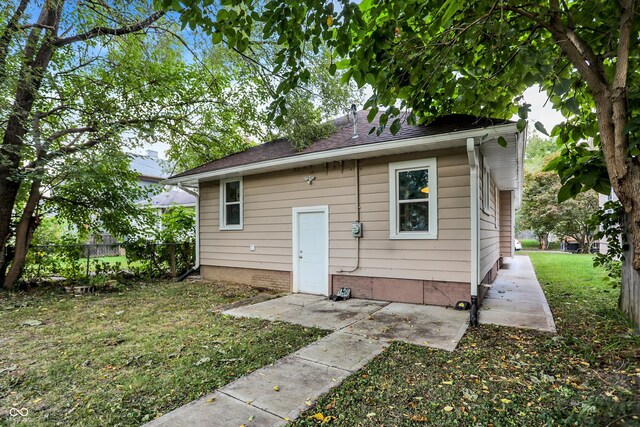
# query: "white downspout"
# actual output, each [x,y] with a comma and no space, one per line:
[475,227]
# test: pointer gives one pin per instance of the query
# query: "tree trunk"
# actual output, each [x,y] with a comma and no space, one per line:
[544,241]
[629,301]
[24,232]
[36,61]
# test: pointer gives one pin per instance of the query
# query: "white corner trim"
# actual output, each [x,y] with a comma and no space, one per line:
[222,211]
[295,248]
[432,165]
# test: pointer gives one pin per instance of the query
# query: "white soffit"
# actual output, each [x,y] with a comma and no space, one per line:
[503,161]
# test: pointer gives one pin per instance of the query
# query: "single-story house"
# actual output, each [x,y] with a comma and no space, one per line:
[424,216]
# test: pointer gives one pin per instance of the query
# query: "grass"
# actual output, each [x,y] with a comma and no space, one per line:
[529,244]
[125,358]
[586,375]
[534,245]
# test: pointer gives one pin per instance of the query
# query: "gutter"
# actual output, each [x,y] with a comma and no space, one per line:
[472,153]
[196,265]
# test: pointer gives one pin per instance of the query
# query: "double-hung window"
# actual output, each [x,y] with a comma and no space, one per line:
[413,197]
[231,204]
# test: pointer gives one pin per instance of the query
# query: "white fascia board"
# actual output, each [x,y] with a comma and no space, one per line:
[358,151]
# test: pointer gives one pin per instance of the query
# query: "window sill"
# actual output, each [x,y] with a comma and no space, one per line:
[413,236]
[231,228]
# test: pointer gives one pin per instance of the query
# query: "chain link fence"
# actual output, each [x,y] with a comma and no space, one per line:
[85,261]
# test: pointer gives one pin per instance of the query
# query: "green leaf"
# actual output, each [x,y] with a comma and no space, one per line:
[502,142]
[523,112]
[573,106]
[395,126]
[540,128]
[370,78]
[372,114]
[567,191]
[521,125]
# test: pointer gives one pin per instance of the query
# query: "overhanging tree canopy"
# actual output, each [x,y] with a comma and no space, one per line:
[476,57]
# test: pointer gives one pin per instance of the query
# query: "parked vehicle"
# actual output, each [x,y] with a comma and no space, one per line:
[517,245]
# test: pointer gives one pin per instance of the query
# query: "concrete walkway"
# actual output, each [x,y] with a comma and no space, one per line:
[362,329]
[277,393]
[516,299]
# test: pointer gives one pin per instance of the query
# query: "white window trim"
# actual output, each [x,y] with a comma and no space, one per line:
[486,188]
[223,211]
[394,168]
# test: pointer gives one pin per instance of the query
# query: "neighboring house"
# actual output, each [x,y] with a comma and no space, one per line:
[151,172]
[434,206]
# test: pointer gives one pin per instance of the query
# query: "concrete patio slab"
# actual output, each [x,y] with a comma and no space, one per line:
[342,350]
[298,381]
[516,298]
[217,409]
[327,314]
[424,325]
[272,309]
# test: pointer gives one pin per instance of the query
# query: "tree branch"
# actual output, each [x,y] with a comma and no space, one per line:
[7,36]
[101,31]
[64,132]
[624,44]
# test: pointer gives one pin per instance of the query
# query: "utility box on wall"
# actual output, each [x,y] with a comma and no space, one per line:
[356,229]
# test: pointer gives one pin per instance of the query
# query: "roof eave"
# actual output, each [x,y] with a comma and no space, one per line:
[424,143]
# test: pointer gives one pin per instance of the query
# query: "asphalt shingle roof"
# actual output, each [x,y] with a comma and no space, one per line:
[343,137]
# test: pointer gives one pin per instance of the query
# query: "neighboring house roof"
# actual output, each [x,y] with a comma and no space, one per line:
[149,166]
[344,138]
[172,197]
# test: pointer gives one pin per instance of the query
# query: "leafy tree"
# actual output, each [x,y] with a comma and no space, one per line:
[80,84]
[476,57]
[575,219]
[178,225]
[538,153]
[538,211]
[543,214]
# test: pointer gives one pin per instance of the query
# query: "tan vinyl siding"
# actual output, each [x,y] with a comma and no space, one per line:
[489,233]
[269,199]
[506,227]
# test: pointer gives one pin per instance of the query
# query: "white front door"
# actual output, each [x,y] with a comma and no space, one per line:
[310,250]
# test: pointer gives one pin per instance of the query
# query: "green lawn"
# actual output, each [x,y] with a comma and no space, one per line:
[124,358]
[586,375]
[530,244]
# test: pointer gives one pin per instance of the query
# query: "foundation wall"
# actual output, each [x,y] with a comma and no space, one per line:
[271,279]
[430,292]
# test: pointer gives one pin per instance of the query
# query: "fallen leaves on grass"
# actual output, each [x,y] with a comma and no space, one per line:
[322,418]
